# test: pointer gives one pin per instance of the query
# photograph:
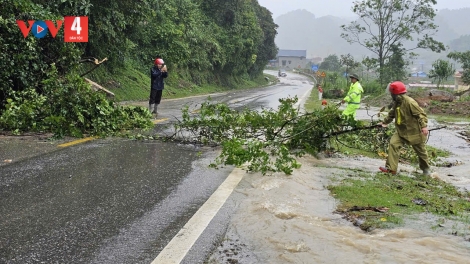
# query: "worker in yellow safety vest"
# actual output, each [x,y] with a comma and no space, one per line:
[353,98]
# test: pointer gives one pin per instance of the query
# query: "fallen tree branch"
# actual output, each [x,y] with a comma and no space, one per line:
[94,61]
[350,130]
[368,127]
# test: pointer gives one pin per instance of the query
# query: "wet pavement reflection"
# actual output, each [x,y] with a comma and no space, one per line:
[62,207]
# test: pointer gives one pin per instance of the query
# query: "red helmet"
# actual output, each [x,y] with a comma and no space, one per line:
[159,61]
[397,88]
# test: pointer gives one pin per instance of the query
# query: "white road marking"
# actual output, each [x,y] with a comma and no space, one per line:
[179,246]
[302,99]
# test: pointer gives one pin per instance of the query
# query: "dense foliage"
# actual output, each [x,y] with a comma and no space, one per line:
[464,59]
[441,71]
[395,67]
[218,42]
[67,106]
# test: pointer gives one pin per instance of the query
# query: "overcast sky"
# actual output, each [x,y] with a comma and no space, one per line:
[339,8]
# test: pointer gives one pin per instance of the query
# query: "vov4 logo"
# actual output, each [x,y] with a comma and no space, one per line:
[75,28]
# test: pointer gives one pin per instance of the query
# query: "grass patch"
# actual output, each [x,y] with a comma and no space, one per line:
[191,90]
[449,118]
[439,153]
[131,84]
[313,103]
[127,82]
[397,197]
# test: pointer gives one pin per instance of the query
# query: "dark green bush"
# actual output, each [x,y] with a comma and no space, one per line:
[373,88]
[68,106]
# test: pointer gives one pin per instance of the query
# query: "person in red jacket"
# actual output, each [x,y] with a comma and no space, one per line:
[157,73]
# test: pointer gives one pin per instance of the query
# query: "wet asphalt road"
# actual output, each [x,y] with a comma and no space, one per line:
[117,201]
[266,97]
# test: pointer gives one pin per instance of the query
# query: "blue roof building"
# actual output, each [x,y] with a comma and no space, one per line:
[419,74]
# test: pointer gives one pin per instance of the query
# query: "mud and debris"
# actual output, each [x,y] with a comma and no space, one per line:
[232,251]
[435,102]
[465,135]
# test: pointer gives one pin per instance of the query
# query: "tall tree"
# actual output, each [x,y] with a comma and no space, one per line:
[348,62]
[384,23]
[396,65]
[370,65]
[267,49]
[441,71]
[243,33]
[464,59]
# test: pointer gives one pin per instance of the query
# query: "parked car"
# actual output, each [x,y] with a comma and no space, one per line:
[282,73]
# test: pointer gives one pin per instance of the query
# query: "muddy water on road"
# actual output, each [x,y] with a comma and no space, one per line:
[458,172]
[291,220]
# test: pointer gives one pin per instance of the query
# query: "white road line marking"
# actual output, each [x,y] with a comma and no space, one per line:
[180,245]
[303,98]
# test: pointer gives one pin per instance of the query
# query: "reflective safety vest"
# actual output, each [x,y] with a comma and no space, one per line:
[354,94]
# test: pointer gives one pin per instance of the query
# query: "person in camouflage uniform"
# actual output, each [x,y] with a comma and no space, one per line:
[411,125]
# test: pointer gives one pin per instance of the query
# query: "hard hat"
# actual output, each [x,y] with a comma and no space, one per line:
[352,75]
[159,61]
[397,88]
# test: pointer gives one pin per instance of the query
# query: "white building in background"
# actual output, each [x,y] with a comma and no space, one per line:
[291,59]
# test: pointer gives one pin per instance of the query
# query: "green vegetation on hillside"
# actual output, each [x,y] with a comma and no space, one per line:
[204,43]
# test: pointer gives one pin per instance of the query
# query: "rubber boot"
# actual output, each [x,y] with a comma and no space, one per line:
[151,107]
[387,170]
[426,172]
[155,109]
